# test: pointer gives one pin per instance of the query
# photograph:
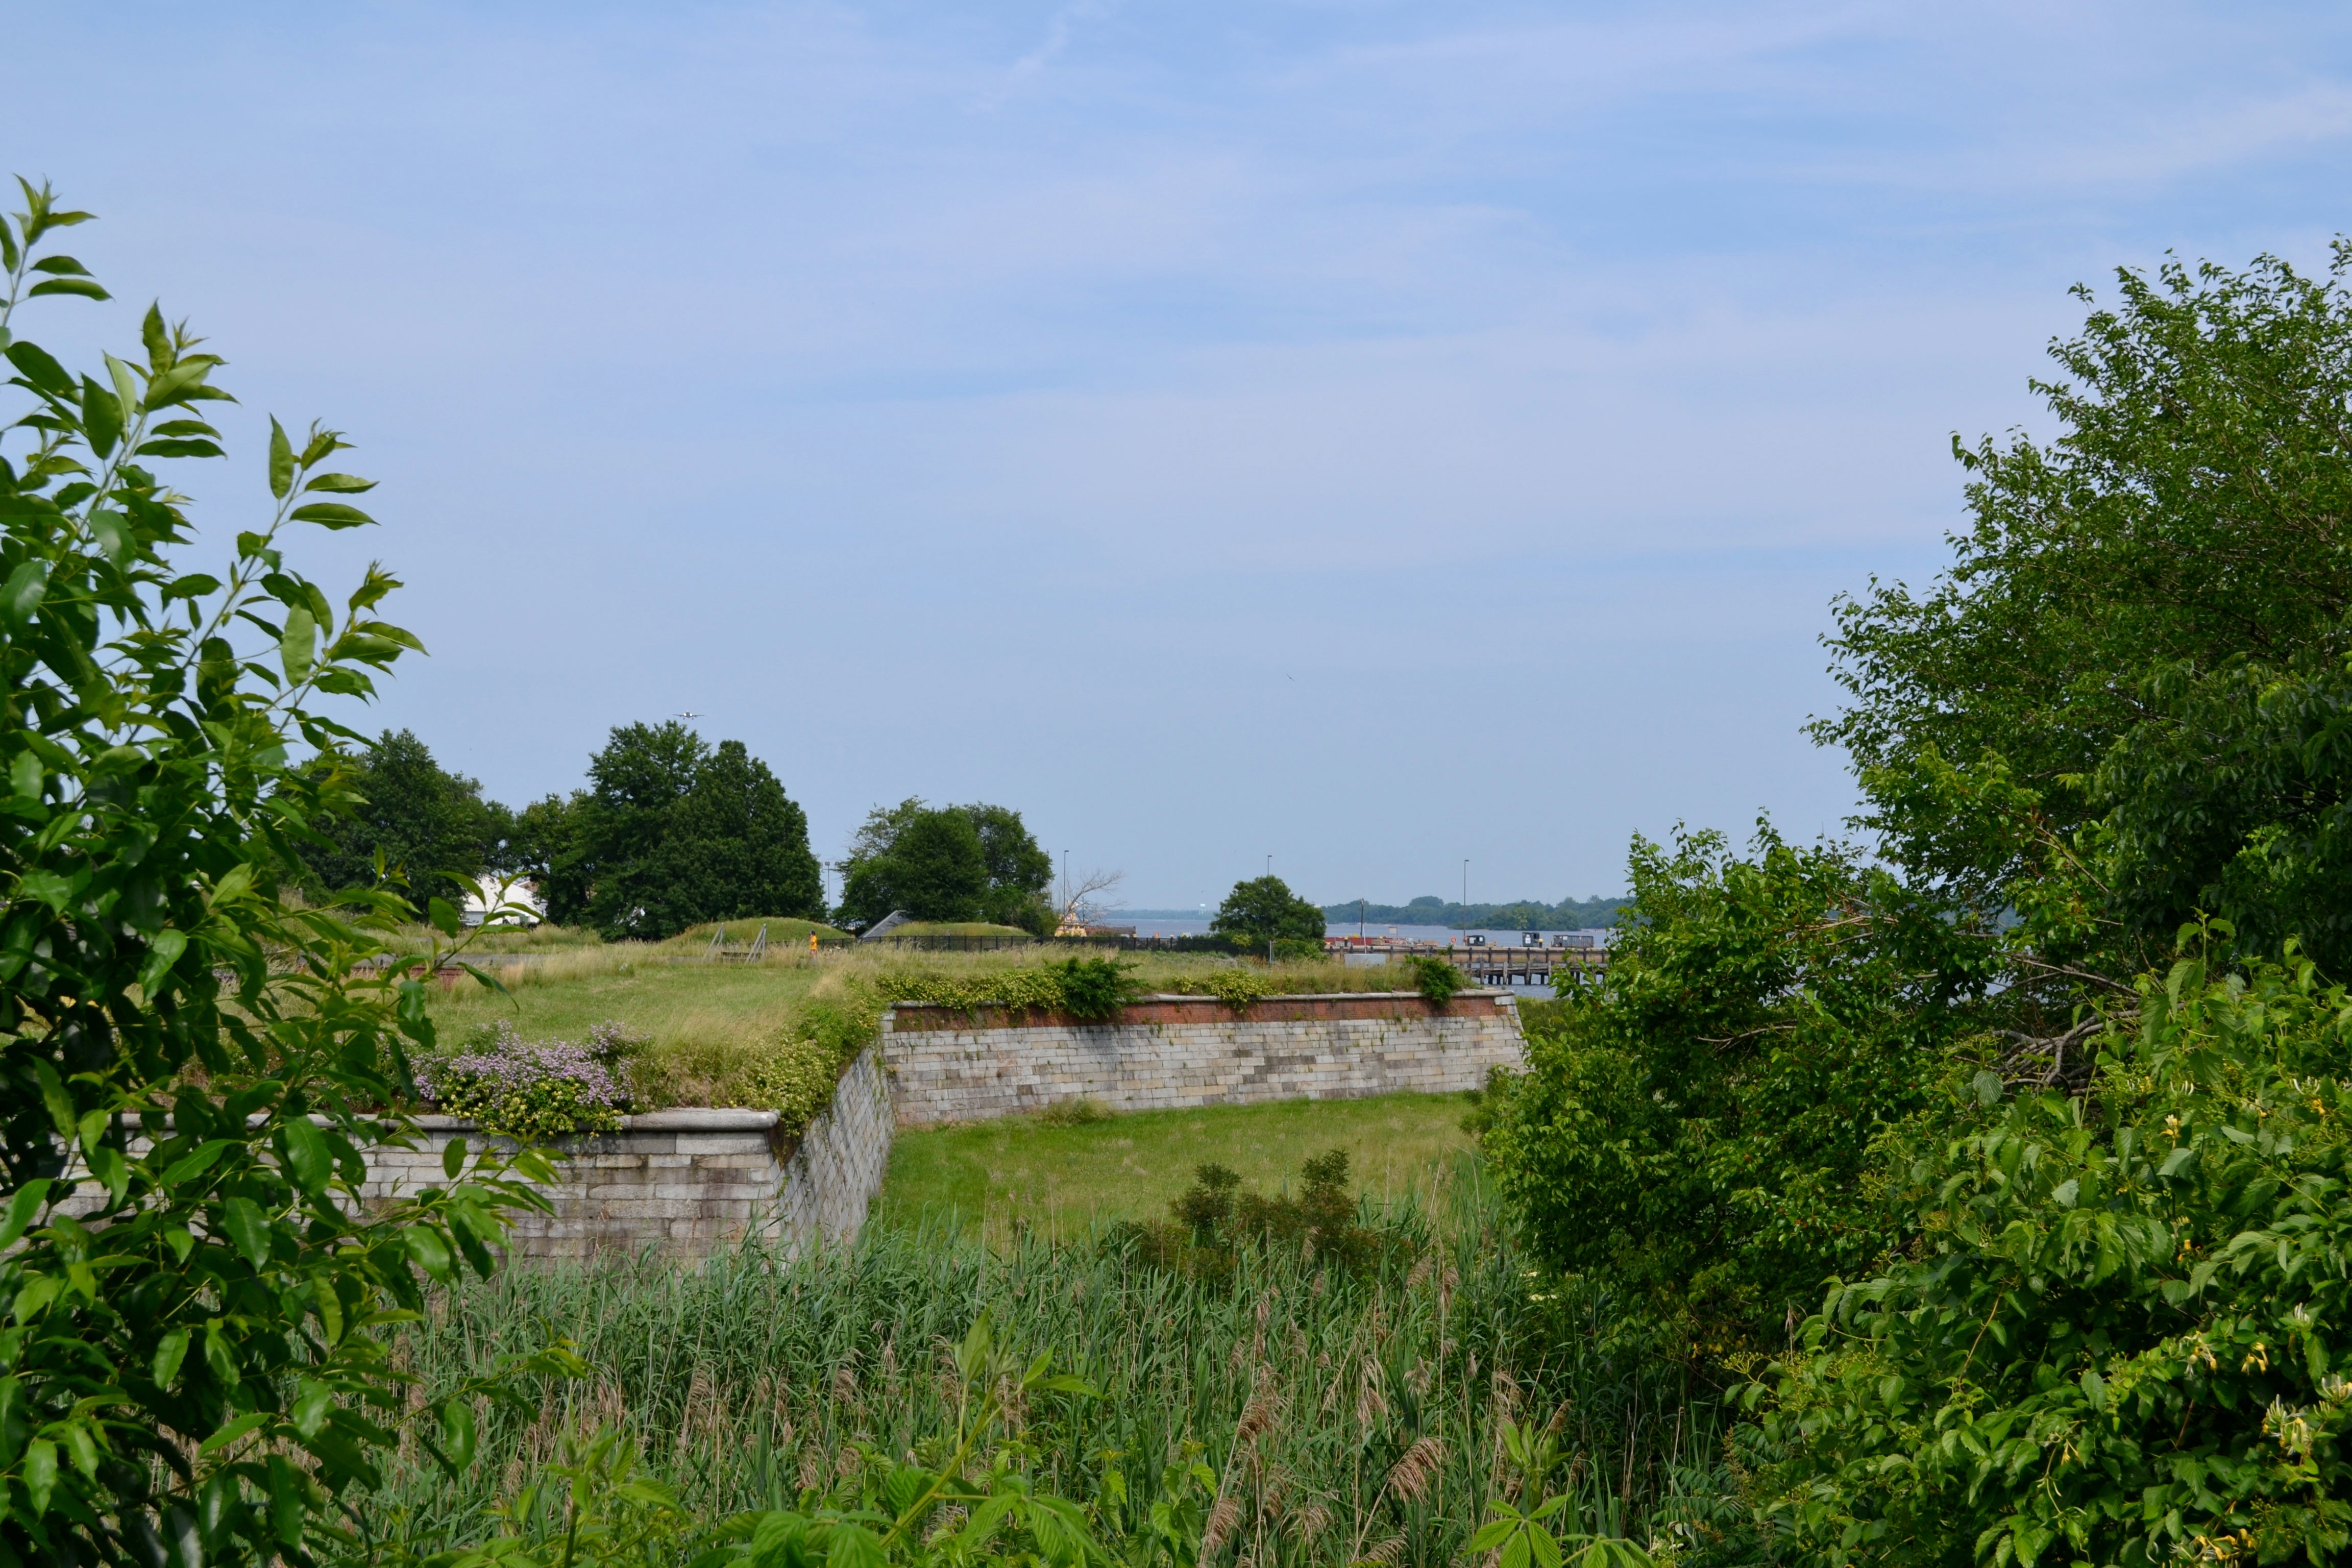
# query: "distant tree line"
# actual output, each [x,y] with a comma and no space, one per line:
[1568,914]
[671,832]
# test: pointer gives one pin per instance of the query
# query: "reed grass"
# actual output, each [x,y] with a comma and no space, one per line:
[1345,1419]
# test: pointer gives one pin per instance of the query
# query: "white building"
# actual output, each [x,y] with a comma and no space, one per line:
[503,901]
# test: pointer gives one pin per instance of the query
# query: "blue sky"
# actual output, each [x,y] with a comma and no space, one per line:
[1375,435]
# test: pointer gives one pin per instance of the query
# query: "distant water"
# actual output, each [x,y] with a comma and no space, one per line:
[1162,925]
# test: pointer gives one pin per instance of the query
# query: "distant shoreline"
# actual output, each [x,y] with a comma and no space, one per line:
[1528,914]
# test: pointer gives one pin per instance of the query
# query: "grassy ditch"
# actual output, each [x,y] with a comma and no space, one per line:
[1063,1172]
[1343,1418]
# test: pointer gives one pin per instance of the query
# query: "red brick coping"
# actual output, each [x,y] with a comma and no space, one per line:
[911,1018]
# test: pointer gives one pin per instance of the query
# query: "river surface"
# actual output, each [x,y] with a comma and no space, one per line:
[1149,925]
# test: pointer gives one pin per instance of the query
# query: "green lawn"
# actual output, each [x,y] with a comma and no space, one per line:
[1062,1179]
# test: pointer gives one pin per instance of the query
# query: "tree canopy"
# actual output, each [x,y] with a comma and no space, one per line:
[423,820]
[672,833]
[976,862]
[2142,638]
[1264,909]
[2001,1152]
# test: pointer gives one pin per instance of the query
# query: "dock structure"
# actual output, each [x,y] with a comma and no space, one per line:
[1554,961]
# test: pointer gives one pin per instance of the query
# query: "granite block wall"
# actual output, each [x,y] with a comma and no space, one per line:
[689,1182]
[949,1064]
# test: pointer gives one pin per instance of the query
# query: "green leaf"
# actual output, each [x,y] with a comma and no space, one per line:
[126,382]
[338,484]
[193,1164]
[248,1228]
[196,585]
[331,514]
[311,1407]
[281,461]
[234,884]
[101,417]
[161,953]
[155,338]
[61,267]
[306,1153]
[431,1253]
[457,1432]
[27,586]
[45,373]
[113,531]
[23,1204]
[53,1097]
[81,286]
[853,1546]
[40,1475]
[453,1158]
[170,1351]
[47,886]
[297,649]
[444,918]
[232,1432]
[182,382]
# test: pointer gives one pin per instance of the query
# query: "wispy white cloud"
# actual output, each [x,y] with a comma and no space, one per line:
[797,347]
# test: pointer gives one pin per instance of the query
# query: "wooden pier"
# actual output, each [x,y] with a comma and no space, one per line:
[1488,963]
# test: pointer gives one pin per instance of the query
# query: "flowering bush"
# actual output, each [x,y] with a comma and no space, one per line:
[532,1092]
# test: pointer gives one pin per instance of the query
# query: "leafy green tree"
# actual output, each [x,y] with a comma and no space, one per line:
[2145,630]
[1699,1132]
[1019,869]
[431,823]
[196,1363]
[1264,908]
[742,845]
[946,863]
[671,834]
[621,849]
[2121,1338]
[533,841]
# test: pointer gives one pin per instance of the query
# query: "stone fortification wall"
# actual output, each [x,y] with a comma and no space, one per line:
[690,1182]
[951,1064]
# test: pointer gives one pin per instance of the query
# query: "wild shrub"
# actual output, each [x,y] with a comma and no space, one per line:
[1083,1111]
[2121,1338]
[1437,981]
[1097,990]
[1214,1219]
[531,1092]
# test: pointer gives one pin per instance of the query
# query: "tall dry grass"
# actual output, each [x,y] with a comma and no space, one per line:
[1341,1419]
